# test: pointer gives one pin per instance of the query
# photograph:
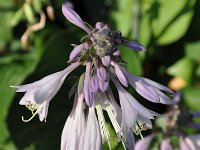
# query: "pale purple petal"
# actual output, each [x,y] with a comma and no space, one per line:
[74,18]
[102,73]
[28,97]
[164,99]
[120,74]
[73,131]
[193,141]
[116,53]
[143,144]
[133,45]
[44,111]
[183,144]
[125,96]
[115,107]
[130,141]
[127,121]
[106,60]
[48,91]
[158,86]
[76,52]
[165,145]
[99,25]
[103,85]
[86,88]
[94,84]
[40,83]
[177,97]
[92,136]
[143,88]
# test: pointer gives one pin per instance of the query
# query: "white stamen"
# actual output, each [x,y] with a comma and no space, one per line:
[124,145]
[102,123]
[139,127]
[117,128]
[33,113]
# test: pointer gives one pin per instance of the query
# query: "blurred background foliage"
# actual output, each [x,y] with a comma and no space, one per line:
[35,41]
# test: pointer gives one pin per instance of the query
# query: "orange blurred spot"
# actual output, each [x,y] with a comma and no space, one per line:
[177,83]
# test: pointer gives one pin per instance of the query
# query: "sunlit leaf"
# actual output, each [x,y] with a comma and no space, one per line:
[184,68]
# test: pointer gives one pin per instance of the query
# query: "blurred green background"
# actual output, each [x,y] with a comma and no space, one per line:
[169,29]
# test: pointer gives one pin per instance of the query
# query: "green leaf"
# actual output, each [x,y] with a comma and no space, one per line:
[5,26]
[191,97]
[134,64]
[192,51]
[165,21]
[13,73]
[173,20]
[122,16]
[183,68]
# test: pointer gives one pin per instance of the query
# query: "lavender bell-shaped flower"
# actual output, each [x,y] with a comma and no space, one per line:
[73,131]
[99,52]
[39,93]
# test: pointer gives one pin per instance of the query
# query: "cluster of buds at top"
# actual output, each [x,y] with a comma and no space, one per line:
[98,51]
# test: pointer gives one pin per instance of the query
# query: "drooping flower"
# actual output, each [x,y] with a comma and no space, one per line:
[73,131]
[99,52]
[174,124]
[39,93]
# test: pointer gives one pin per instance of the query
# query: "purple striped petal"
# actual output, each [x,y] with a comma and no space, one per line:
[158,86]
[94,84]
[143,144]
[164,99]
[193,141]
[102,74]
[120,74]
[46,80]
[143,88]
[92,135]
[165,145]
[106,60]
[130,141]
[74,18]
[183,144]
[127,121]
[76,51]
[133,45]
[86,88]
[73,131]
[125,96]
[103,85]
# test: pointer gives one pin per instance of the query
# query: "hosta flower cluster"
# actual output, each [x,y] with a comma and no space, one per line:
[173,130]
[86,128]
